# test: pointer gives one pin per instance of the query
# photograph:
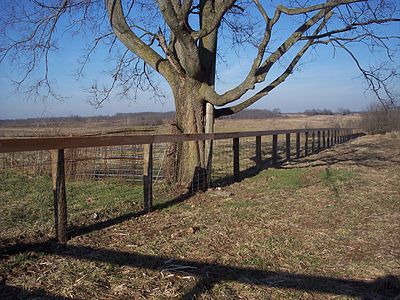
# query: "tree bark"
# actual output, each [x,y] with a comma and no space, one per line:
[191,164]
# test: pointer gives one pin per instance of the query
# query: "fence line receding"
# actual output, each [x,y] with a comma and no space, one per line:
[145,158]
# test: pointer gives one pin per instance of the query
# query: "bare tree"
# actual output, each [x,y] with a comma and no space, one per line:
[178,39]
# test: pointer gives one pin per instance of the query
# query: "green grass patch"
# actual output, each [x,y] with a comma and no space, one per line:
[240,204]
[334,178]
[284,178]
[330,175]
[27,202]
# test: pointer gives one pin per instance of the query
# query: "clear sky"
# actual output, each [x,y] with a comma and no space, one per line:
[323,81]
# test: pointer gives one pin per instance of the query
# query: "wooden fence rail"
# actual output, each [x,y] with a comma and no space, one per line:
[57,145]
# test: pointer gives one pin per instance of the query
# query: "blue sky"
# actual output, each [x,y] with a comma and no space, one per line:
[323,81]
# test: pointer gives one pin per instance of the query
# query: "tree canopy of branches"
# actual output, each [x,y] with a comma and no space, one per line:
[181,41]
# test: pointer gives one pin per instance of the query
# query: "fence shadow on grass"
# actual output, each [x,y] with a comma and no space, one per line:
[209,274]
[8,292]
[75,231]
[350,157]
[266,163]
[85,229]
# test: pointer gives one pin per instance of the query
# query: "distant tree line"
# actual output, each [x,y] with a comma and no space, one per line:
[314,112]
[255,114]
[132,119]
[129,119]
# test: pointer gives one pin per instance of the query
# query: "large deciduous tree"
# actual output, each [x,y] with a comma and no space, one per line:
[181,40]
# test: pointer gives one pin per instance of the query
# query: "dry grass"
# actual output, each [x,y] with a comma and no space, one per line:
[118,128]
[326,227]
[288,122]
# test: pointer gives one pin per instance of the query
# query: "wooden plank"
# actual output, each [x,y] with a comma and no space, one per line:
[60,196]
[318,140]
[306,143]
[328,138]
[313,142]
[33,144]
[323,140]
[297,144]
[288,146]
[236,168]
[148,177]
[258,153]
[54,167]
[274,149]
[335,136]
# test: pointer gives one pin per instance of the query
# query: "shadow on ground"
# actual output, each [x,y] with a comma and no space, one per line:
[363,153]
[209,274]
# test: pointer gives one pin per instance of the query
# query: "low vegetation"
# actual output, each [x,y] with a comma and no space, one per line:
[324,227]
[381,119]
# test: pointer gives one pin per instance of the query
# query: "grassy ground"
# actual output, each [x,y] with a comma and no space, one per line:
[326,227]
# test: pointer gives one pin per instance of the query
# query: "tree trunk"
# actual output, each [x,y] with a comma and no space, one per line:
[191,165]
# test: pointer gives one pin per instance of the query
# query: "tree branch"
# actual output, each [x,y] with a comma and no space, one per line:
[133,42]
[241,106]
[258,73]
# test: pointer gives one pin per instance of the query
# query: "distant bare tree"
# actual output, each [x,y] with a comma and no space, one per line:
[179,39]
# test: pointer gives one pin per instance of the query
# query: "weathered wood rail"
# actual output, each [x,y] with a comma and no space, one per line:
[325,138]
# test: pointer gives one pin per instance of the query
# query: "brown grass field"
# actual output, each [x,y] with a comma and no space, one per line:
[288,121]
[324,227]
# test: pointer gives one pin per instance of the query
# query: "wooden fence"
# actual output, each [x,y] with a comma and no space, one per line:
[321,138]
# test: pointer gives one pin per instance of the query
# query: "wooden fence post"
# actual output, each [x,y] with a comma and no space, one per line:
[297,144]
[148,177]
[60,195]
[336,136]
[328,138]
[236,168]
[332,138]
[319,141]
[323,140]
[274,149]
[313,142]
[288,146]
[258,153]
[306,143]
